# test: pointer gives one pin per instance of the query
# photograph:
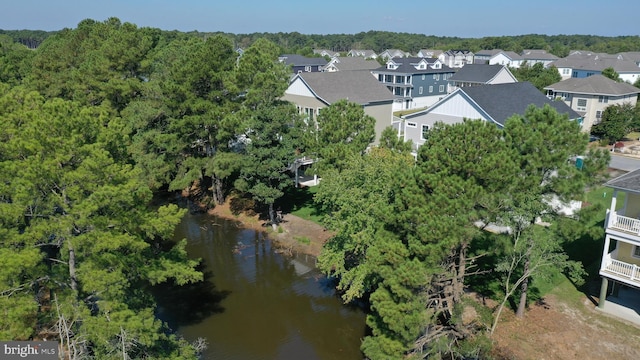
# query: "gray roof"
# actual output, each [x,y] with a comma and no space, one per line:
[595,85]
[350,63]
[501,101]
[531,54]
[597,62]
[299,60]
[365,53]
[488,52]
[476,73]
[627,182]
[356,86]
[407,66]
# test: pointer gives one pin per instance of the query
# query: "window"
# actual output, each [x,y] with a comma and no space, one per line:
[425,132]
[603,99]
[307,68]
[437,77]
[598,114]
[636,251]
[397,91]
[430,89]
[582,103]
[412,125]
[420,90]
[308,112]
[441,88]
[380,77]
[388,78]
[423,76]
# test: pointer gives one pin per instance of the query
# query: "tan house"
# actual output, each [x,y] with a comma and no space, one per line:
[620,266]
[591,95]
[311,92]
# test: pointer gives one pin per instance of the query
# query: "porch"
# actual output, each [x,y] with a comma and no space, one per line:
[629,225]
[619,270]
[624,303]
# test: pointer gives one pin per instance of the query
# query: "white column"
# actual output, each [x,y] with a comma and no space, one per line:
[605,251]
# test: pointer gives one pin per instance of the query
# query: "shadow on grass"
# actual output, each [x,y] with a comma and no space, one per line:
[300,201]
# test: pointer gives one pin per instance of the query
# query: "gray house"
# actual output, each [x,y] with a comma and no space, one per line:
[300,64]
[493,103]
[414,82]
[590,96]
[311,92]
[480,74]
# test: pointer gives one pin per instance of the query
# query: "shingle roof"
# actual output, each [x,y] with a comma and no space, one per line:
[596,62]
[356,86]
[501,101]
[476,73]
[350,63]
[531,54]
[406,66]
[595,85]
[299,60]
[488,52]
[629,181]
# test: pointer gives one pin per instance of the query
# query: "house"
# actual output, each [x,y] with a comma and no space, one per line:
[393,53]
[620,265]
[429,53]
[480,74]
[414,82]
[483,56]
[498,57]
[350,63]
[300,64]
[532,57]
[582,64]
[367,54]
[325,52]
[493,103]
[456,58]
[311,92]
[590,96]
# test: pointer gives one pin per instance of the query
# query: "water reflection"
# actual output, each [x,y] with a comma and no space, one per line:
[257,304]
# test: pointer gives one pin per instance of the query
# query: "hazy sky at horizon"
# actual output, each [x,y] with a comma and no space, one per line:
[462,18]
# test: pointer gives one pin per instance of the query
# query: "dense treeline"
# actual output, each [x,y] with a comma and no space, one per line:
[294,42]
[98,118]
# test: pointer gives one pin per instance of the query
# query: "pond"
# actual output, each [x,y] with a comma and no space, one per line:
[256,303]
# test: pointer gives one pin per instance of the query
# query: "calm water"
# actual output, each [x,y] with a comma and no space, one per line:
[256,303]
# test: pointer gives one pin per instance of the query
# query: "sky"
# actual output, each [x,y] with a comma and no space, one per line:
[461,18]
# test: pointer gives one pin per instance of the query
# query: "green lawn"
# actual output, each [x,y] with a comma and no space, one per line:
[300,203]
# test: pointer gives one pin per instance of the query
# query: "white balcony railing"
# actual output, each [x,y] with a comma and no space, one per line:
[624,270]
[624,223]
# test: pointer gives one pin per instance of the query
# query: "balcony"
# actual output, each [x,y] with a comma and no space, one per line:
[621,271]
[622,223]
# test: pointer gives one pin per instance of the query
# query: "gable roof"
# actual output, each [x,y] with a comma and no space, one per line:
[488,53]
[535,54]
[352,63]
[406,65]
[365,53]
[356,86]
[597,62]
[501,101]
[429,53]
[477,73]
[628,182]
[594,85]
[299,60]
